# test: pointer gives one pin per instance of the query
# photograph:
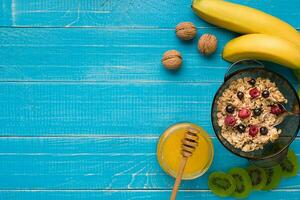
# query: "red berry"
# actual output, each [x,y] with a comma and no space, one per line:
[230,120]
[276,110]
[254,92]
[244,113]
[253,130]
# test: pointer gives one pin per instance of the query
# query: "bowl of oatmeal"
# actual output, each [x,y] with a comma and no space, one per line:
[246,108]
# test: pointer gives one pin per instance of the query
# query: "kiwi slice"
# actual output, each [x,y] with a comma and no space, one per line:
[221,184]
[242,181]
[258,177]
[273,177]
[290,165]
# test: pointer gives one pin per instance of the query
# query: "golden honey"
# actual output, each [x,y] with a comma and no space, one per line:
[169,151]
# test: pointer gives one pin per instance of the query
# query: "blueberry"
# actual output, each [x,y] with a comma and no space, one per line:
[240,95]
[265,93]
[230,108]
[241,128]
[263,130]
[252,82]
[257,111]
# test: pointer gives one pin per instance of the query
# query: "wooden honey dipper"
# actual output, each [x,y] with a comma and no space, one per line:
[189,143]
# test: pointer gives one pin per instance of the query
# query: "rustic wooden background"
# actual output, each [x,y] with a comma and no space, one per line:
[84,98]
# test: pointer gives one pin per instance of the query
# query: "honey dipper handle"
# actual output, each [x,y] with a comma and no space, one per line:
[178,178]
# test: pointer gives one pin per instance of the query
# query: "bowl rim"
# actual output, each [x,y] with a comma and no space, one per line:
[167,133]
[214,101]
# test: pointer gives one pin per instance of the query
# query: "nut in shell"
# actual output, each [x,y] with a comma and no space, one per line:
[172,59]
[186,30]
[207,44]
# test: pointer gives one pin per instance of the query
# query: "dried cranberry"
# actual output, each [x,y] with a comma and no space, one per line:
[254,92]
[230,120]
[244,113]
[276,110]
[253,130]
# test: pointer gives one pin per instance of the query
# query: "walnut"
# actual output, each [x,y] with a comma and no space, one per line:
[186,30]
[207,44]
[172,59]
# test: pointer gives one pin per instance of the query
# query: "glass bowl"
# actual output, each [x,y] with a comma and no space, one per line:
[169,151]
[272,153]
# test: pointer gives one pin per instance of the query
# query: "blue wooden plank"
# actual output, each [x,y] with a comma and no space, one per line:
[6,17]
[107,81]
[101,55]
[99,163]
[136,195]
[100,108]
[128,13]
[38,108]
[92,54]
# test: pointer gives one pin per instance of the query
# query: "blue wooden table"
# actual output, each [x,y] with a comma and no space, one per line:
[84,98]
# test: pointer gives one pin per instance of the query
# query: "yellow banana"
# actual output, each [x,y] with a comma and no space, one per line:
[263,47]
[243,19]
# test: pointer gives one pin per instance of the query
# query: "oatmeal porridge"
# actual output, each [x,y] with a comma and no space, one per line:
[247,112]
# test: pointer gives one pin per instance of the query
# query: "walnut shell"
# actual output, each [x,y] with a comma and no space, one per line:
[186,30]
[207,44]
[172,59]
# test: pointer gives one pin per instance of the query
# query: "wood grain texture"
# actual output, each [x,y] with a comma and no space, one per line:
[95,54]
[139,194]
[125,13]
[5,13]
[104,163]
[58,54]
[40,109]
[102,108]
[83,97]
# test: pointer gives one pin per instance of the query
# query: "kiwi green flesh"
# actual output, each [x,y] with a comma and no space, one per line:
[290,165]
[221,184]
[242,181]
[273,177]
[258,177]
[288,168]
[240,187]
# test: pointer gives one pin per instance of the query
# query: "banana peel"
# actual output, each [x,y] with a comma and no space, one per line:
[243,19]
[263,47]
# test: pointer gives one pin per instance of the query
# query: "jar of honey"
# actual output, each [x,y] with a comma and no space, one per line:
[169,152]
